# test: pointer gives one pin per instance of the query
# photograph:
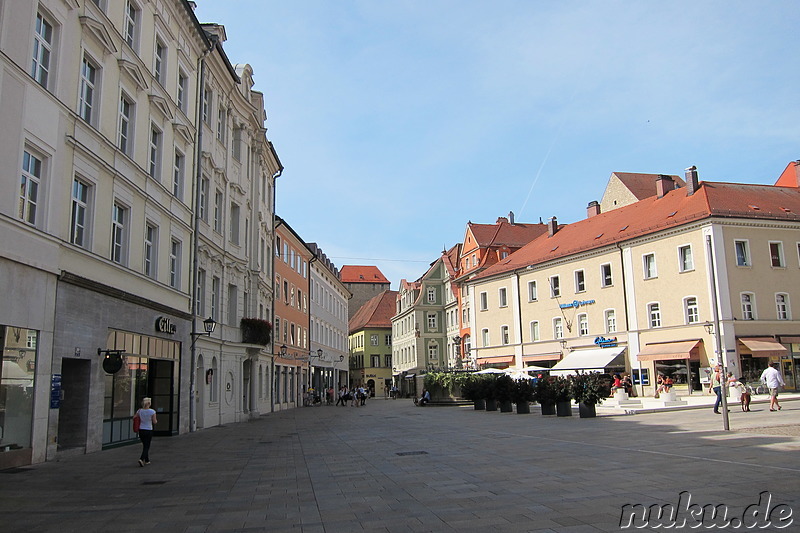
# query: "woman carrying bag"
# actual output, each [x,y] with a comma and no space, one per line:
[147,419]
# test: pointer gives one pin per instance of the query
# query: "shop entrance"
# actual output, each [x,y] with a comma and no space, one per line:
[73,412]
[148,370]
[160,388]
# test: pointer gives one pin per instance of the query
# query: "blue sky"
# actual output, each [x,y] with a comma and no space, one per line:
[399,121]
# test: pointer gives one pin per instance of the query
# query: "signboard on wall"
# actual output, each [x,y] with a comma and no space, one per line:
[55,391]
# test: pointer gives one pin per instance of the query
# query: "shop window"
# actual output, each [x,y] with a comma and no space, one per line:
[17,382]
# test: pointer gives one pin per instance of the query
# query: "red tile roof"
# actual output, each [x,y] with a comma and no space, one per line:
[450,259]
[656,214]
[643,185]
[504,233]
[790,176]
[362,274]
[377,312]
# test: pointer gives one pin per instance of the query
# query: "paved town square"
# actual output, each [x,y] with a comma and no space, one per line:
[390,466]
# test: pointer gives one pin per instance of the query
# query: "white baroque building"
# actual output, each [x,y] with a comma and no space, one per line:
[100,102]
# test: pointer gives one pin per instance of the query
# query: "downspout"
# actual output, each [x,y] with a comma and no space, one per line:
[310,330]
[275,331]
[198,147]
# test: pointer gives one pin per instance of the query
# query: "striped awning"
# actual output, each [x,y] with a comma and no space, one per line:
[666,351]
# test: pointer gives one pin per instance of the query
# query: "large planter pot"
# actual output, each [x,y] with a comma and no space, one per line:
[548,408]
[480,405]
[523,408]
[564,408]
[506,407]
[491,405]
[587,410]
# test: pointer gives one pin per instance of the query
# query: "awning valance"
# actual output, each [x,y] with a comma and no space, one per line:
[764,346]
[595,359]
[502,360]
[665,351]
[541,357]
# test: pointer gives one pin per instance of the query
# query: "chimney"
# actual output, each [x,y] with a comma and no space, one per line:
[552,226]
[692,183]
[593,209]
[511,217]
[501,219]
[664,184]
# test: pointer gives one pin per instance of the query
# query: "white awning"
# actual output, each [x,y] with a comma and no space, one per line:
[592,360]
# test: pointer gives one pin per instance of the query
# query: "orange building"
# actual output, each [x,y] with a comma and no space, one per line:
[483,246]
[291,323]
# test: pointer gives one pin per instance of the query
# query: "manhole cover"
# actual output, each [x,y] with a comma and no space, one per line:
[412,453]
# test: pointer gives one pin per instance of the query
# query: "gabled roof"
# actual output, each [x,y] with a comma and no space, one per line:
[362,274]
[504,233]
[450,259]
[377,312]
[655,214]
[790,177]
[643,185]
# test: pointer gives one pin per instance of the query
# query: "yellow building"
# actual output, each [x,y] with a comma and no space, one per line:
[642,288]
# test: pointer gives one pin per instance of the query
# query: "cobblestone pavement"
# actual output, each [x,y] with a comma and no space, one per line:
[393,467]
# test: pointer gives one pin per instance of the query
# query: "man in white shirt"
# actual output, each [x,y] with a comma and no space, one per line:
[773,379]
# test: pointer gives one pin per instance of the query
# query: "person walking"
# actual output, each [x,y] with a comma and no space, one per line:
[716,386]
[147,417]
[771,377]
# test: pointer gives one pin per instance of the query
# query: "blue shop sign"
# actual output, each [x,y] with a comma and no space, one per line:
[606,343]
[576,304]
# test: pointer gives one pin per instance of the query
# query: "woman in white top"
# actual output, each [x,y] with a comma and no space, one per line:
[147,418]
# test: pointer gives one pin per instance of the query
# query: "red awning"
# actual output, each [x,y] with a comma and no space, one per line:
[667,351]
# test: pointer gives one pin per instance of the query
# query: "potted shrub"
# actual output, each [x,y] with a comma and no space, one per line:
[504,390]
[489,392]
[563,396]
[544,392]
[472,390]
[522,395]
[588,389]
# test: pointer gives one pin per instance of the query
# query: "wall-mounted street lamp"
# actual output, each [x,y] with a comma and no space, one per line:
[709,328]
[322,356]
[283,350]
[209,325]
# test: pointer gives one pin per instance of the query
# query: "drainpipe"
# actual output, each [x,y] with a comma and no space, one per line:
[275,332]
[198,147]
